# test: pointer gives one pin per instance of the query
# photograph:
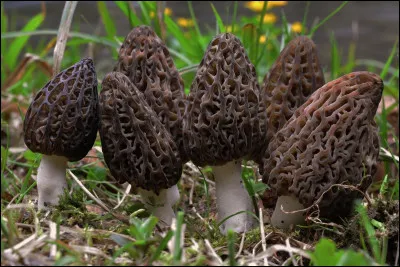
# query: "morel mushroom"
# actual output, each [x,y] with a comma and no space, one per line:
[137,147]
[145,60]
[223,123]
[331,139]
[295,75]
[61,123]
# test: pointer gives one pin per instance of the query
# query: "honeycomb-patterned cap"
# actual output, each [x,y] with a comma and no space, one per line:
[136,146]
[224,119]
[295,75]
[63,118]
[146,61]
[331,139]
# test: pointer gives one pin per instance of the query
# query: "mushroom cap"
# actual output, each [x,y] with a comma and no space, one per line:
[295,75]
[63,118]
[331,139]
[146,61]
[136,146]
[225,119]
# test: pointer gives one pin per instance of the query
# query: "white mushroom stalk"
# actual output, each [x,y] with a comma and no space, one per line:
[232,197]
[51,180]
[283,220]
[161,206]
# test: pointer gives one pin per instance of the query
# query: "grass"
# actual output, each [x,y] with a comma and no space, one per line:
[99,222]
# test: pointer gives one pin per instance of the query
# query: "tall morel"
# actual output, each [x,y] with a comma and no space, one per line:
[225,122]
[295,75]
[61,123]
[331,139]
[146,61]
[137,147]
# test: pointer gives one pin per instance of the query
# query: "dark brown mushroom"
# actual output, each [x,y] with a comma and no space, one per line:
[146,61]
[224,123]
[61,123]
[331,139]
[137,147]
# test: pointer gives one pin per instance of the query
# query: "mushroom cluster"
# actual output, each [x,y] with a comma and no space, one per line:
[61,123]
[141,108]
[307,136]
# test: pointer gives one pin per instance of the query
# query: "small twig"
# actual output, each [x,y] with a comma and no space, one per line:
[98,201]
[126,192]
[262,232]
[275,248]
[53,236]
[290,252]
[193,207]
[62,36]
[241,245]
[213,253]
[322,195]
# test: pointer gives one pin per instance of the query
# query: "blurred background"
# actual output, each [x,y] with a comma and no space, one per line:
[373,26]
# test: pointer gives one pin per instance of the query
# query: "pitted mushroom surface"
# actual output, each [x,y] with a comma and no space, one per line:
[137,147]
[61,123]
[146,61]
[331,139]
[225,122]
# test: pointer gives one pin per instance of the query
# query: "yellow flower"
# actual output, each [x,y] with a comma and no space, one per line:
[272,4]
[269,18]
[297,27]
[263,39]
[167,12]
[228,28]
[184,22]
[257,6]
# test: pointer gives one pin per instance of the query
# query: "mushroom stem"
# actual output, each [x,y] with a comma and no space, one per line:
[283,220]
[51,180]
[232,197]
[161,205]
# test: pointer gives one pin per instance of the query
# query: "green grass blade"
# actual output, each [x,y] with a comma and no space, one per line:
[180,55]
[177,32]
[326,19]
[335,58]
[231,238]
[389,61]
[11,57]
[218,18]
[260,30]
[369,229]
[161,247]
[196,25]
[249,34]
[145,13]
[233,23]
[239,212]
[3,29]
[350,58]
[88,37]
[305,18]
[106,19]
[133,19]
[177,256]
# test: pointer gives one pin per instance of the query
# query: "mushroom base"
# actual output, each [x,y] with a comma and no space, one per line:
[232,197]
[161,205]
[283,220]
[51,180]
